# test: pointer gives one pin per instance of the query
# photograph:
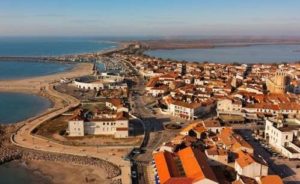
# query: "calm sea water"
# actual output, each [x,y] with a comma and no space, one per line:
[51,46]
[15,69]
[17,173]
[247,54]
[16,107]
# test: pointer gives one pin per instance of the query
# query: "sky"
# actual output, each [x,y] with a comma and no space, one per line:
[149,17]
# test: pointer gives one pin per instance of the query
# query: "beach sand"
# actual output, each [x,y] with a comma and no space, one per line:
[34,84]
[62,173]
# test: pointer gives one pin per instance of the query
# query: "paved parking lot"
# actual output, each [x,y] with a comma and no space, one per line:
[285,168]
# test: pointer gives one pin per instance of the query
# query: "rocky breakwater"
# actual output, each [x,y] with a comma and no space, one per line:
[9,152]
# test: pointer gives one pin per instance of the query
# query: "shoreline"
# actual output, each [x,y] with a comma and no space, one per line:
[293,61]
[42,86]
[40,95]
[27,89]
[181,43]
[68,69]
[37,159]
[116,45]
[34,84]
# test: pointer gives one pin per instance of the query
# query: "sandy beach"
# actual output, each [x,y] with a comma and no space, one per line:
[45,86]
[61,173]
[34,84]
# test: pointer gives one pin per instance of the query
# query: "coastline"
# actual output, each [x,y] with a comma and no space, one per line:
[95,49]
[226,54]
[12,152]
[209,43]
[34,84]
[49,103]
[214,46]
[68,68]
[59,172]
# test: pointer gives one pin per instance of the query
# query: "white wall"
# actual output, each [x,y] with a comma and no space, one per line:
[90,86]
[76,128]
[253,170]
[276,137]
[104,127]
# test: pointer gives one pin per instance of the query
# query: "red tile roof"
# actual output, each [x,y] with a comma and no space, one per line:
[166,166]
[195,164]
[273,179]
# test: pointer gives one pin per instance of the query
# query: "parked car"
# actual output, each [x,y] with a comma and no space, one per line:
[133,174]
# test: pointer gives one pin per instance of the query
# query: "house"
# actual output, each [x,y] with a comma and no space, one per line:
[184,109]
[198,127]
[116,125]
[229,106]
[217,156]
[213,125]
[196,166]
[233,142]
[187,166]
[158,91]
[116,105]
[111,120]
[273,179]
[246,165]
[280,135]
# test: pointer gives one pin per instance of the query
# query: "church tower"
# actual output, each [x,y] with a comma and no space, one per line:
[277,84]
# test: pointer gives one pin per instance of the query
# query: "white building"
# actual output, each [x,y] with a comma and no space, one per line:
[112,121]
[95,85]
[76,128]
[281,136]
[117,128]
[185,110]
[246,165]
[98,82]
[228,106]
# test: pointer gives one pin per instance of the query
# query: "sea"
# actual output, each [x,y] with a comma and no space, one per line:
[256,53]
[17,172]
[23,105]
[15,107]
[52,46]
[16,69]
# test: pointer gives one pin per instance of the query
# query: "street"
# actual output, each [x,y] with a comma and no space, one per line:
[285,168]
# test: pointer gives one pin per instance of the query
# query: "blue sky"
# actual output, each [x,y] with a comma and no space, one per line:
[149,17]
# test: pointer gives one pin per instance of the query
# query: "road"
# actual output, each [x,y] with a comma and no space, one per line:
[24,138]
[154,133]
[63,102]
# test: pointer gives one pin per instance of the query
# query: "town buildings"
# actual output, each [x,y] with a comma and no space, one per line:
[236,93]
[98,82]
[278,83]
[188,166]
[283,135]
[240,92]
[181,161]
[110,120]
